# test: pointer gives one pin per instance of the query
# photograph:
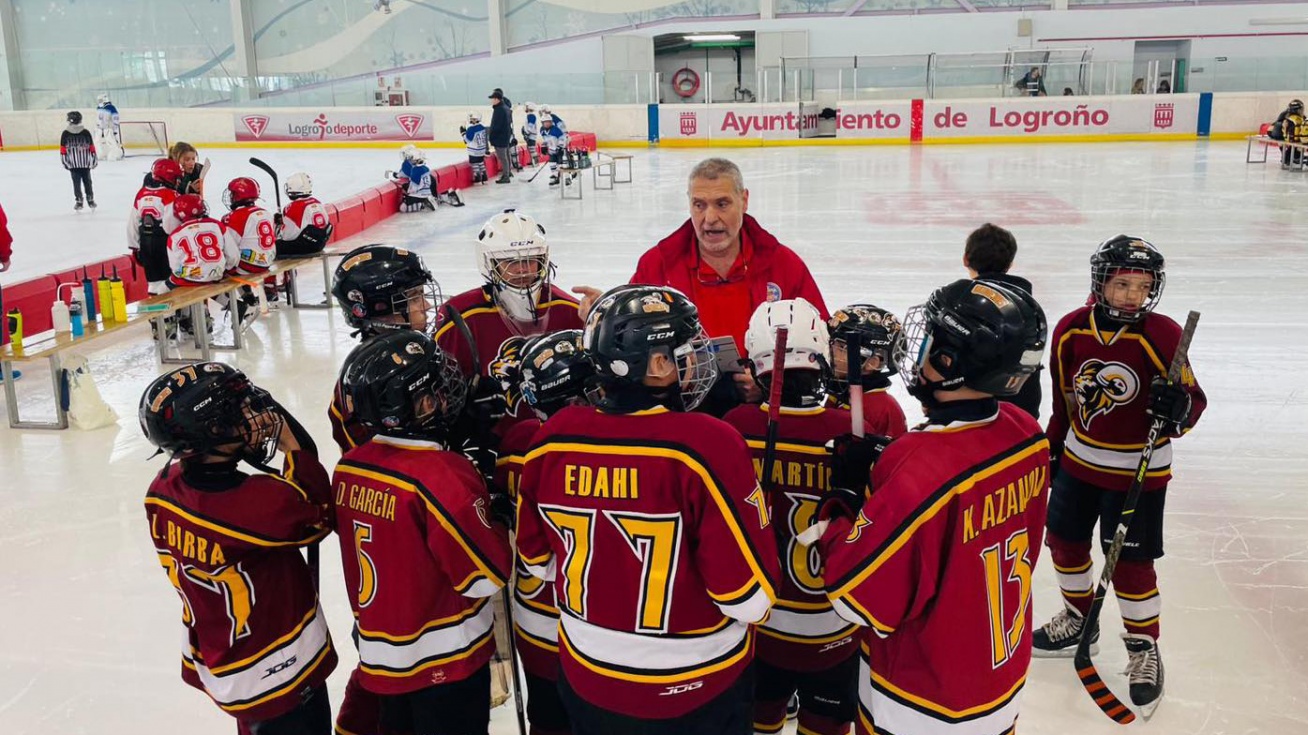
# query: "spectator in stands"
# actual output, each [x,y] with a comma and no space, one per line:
[989,254]
[1164,87]
[1067,92]
[724,260]
[1138,87]
[192,170]
[6,242]
[501,135]
[1032,83]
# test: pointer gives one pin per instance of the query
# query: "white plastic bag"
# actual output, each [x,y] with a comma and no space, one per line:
[86,408]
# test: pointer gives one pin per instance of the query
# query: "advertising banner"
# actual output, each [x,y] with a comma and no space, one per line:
[333,125]
[1038,117]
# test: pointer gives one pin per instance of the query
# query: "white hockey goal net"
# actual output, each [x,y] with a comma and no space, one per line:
[144,137]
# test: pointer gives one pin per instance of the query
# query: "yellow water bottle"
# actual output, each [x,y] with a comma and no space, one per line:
[118,293]
[106,299]
[15,320]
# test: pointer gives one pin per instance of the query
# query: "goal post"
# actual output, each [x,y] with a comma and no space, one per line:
[144,137]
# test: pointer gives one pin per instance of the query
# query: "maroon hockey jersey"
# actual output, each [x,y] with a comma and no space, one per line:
[803,633]
[535,611]
[421,560]
[498,340]
[1101,391]
[883,413]
[255,635]
[938,564]
[654,531]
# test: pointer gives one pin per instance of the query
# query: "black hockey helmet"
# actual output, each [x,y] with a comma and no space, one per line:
[1126,254]
[879,335]
[630,323]
[401,384]
[380,288]
[194,410]
[75,117]
[554,371]
[1295,107]
[981,334]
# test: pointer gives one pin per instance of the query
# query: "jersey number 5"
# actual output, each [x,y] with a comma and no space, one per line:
[1006,564]
[654,538]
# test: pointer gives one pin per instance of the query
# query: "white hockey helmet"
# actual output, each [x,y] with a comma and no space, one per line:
[528,106]
[298,185]
[474,118]
[545,110]
[102,99]
[410,152]
[807,343]
[514,258]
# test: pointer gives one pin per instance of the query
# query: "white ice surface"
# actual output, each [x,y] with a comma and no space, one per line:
[89,637]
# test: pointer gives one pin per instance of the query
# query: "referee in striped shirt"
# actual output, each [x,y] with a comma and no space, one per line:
[77,149]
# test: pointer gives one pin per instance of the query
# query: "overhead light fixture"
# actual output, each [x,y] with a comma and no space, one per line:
[712,37]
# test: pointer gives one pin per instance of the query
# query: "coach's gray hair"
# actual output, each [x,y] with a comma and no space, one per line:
[713,169]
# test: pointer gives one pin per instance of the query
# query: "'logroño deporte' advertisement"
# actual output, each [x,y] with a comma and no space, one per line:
[1024,117]
[333,125]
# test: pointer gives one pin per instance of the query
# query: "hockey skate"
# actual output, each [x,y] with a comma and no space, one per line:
[554,180]
[90,203]
[452,198]
[1058,637]
[1145,671]
[78,206]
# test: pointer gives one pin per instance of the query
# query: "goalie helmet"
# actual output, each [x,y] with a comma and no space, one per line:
[166,171]
[981,334]
[402,384]
[629,324]
[199,409]
[102,99]
[240,192]
[545,110]
[474,118]
[879,335]
[380,288]
[514,258]
[807,345]
[555,372]
[189,207]
[1126,254]
[298,185]
[410,152]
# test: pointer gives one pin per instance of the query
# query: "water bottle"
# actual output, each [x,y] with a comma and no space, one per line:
[59,317]
[75,313]
[118,296]
[88,296]
[15,320]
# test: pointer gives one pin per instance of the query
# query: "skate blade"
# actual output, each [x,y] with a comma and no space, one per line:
[1069,652]
[1147,710]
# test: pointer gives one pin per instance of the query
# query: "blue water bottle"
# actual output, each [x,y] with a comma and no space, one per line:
[88,296]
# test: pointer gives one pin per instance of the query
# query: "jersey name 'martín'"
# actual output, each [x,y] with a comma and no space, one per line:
[376,503]
[187,543]
[797,475]
[586,481]
[1003,504]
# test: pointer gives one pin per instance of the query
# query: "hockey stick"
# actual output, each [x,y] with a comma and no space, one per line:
[539,168]
[854,375]
[277,189]
[774,403]
[518,705]
[1085,668]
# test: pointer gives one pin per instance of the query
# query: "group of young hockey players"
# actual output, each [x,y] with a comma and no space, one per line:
[520,476]
[177,243]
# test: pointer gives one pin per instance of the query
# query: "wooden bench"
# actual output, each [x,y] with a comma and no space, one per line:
[50,346]
[606,168]
[291,266]
[1264,142]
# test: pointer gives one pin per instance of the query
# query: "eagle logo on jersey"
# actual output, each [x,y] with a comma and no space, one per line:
[505,368]
[1102,386]
[860,523]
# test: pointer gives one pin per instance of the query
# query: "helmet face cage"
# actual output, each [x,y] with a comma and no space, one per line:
[697,369]
[262,426]
[198,408]
[513,256]
[440,399]
[915,347]
[426,296]
[1102,273]
[239,192]
[376,283]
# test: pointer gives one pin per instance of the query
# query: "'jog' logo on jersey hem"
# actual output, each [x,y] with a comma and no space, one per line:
[1102,386]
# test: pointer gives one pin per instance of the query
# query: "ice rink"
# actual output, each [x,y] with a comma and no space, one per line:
[89,641]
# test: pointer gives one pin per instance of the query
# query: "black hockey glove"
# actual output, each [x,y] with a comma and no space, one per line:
[463,129]
[488,404]
[1170,403]
[852,458]
[840,502]
[503,509]
[278,220]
